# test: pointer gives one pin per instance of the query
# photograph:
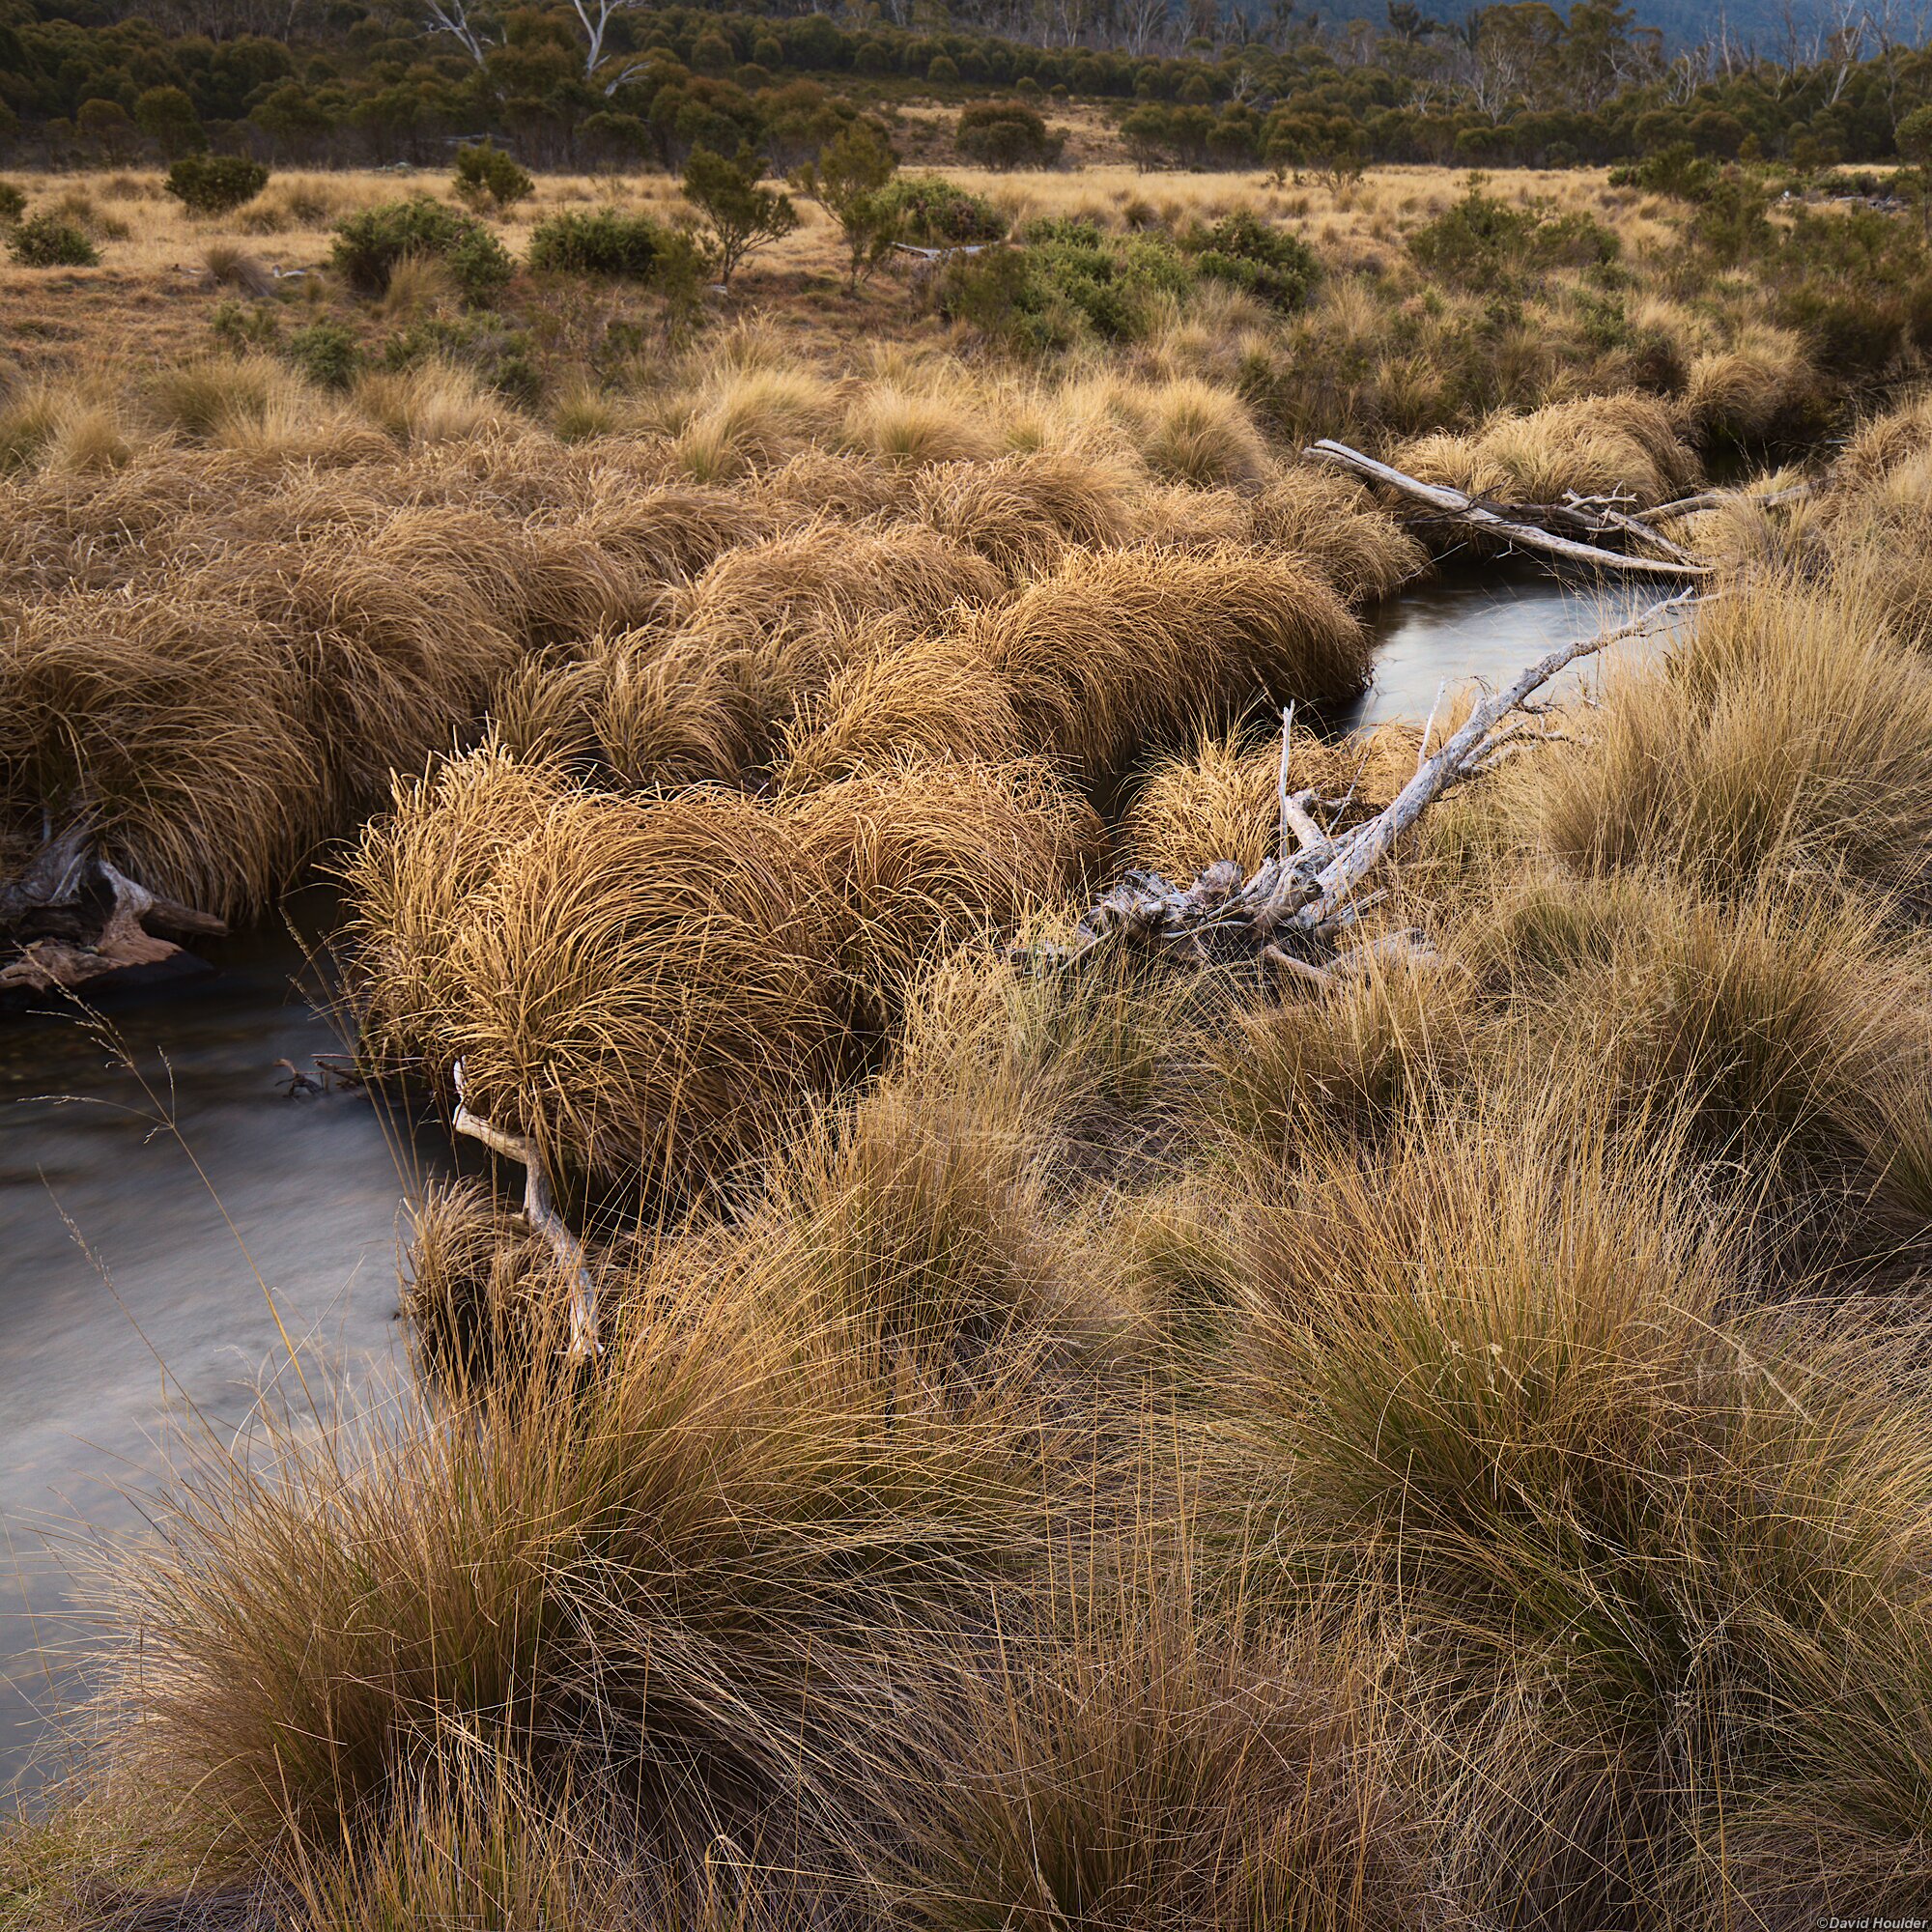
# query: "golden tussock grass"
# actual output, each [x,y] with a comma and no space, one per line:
[1597,445]
[1025,512]
[1223,800]
[650,989]
[1186,430]
[932,697]
[1333,525]
[1120,650]
[415,880]
[644,709]
[1786,735]
[170,721]
[928,854]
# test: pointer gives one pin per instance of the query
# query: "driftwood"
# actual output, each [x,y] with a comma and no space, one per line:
[540,1211]
[1524,526]
[1712,500]
[74,917]
[1291,914]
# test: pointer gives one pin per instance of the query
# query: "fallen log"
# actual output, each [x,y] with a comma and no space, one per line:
[1509,525]
[544,1220]
[1712,500]
[76,917]
[1292,912]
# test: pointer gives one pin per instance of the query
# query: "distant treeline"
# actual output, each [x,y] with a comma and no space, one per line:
[622,85]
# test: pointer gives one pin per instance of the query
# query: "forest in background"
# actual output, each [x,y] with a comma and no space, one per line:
[603,84]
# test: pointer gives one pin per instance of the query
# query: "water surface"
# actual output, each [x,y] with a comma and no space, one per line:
[156,1276]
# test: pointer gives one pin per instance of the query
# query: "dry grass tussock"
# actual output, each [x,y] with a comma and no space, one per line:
[1597,445]
[1117,650]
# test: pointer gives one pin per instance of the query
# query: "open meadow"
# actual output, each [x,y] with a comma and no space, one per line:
[1395,1396]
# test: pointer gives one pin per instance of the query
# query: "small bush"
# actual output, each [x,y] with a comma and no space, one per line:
[1007,135]
[369,245]
[1269,262]
[45,242]
[1484,244]
[12,205]
[326,353]
[484,173]
[215,183]
[934,214]
[606,242]
[1069,281]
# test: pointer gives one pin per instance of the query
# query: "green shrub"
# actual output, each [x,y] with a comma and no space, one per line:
[12,205]
[484,173]
[1069,282]
[242,325]
[215,183]
[742,216]
[326,353]
[934,214]
[45,242]
[1269,262]
[1484,244]
[1007,135]
[606,242]
[369,245]
[942,70]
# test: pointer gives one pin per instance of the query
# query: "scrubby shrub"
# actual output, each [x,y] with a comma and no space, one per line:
[215,183]
[369,245]
[45,242]
[12,205]
[1267,262]
[606,242]
[485,173]
[1007,135]
[326,353]
[928,209]
[847,179]
[1482,243]
[1068,281]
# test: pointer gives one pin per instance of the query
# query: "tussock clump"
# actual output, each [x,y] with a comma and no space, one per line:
[1171,516]
[1785,736]
[650,989]
[415,881]
[793,599]
[824,483]
[480,1285]
[1491,1361]
[1597,445]
[1023,512]
[396,648]
[753,420]
[172,720]
[926,698]
[1223,802]
[1121,649]
[1332,523]
[1759,387]
[1154,1768]
[60,431]
[434,402]
[314,1638]
[1882,445]
[926,855]
[641,709]
[1186,430]
[904,427]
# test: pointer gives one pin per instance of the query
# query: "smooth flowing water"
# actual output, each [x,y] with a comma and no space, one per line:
[155,1275]
[173,1226]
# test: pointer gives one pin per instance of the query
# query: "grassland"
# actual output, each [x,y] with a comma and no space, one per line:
[1096,1448]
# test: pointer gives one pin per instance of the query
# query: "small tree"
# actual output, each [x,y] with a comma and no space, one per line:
[845,179]
[1007,135]
[484,172]
[742,216]
[215,183]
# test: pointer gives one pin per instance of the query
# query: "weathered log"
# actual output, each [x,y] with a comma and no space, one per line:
[1504,524]
[1290,912]
[541,1213]
[65,937]
[1712,500]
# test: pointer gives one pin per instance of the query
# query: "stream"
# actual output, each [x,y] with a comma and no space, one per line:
[173,1222]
